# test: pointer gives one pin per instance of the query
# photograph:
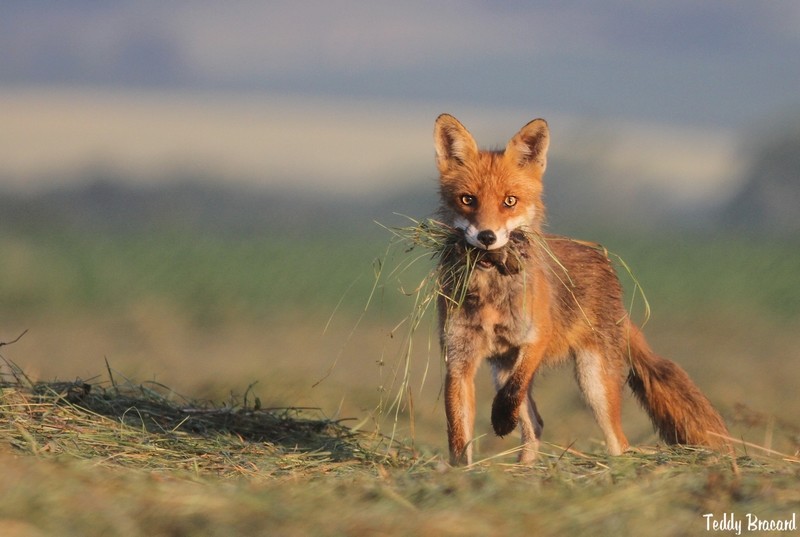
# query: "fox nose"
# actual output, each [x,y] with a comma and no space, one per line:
[487,237]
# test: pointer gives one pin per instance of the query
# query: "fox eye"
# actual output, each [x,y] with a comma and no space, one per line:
[510,201]
[468,199]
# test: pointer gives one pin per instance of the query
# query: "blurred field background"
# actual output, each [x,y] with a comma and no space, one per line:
[208,290]
[191,196]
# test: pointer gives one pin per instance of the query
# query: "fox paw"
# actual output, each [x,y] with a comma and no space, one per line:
[505,413]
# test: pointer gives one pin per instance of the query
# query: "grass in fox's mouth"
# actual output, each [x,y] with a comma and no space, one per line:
[441,241]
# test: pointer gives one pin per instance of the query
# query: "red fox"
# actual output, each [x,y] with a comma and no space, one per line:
[537,299]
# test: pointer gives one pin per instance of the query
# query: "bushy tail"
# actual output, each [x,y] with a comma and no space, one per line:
[679,410]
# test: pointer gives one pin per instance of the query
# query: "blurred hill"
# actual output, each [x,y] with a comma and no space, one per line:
[118,206]
[769,200]
[579,194]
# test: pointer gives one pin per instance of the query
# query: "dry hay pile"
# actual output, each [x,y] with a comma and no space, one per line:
[147,426]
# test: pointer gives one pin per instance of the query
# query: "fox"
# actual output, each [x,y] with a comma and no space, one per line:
[535,299]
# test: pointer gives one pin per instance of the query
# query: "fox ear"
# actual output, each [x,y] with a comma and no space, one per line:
[529,146]
[455,146]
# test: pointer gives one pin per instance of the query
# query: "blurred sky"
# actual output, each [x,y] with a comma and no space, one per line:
[344,93]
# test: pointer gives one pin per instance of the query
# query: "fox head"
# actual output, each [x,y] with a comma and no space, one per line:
[489,194]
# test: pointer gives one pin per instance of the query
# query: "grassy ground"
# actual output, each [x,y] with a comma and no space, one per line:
[210,316]
[81,459]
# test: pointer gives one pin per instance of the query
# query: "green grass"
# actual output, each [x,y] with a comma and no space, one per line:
[211,274]
[709,274]
[259,276]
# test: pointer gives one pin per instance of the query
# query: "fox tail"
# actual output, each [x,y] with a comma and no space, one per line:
[679,410]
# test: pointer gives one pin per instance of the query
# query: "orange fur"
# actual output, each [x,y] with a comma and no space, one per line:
[564,302]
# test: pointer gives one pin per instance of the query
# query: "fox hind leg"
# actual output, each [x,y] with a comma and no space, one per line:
[536,418]
[530,426]
[601,384]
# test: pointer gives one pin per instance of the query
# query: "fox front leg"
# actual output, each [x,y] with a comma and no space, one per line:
[513,388]
[460,410]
